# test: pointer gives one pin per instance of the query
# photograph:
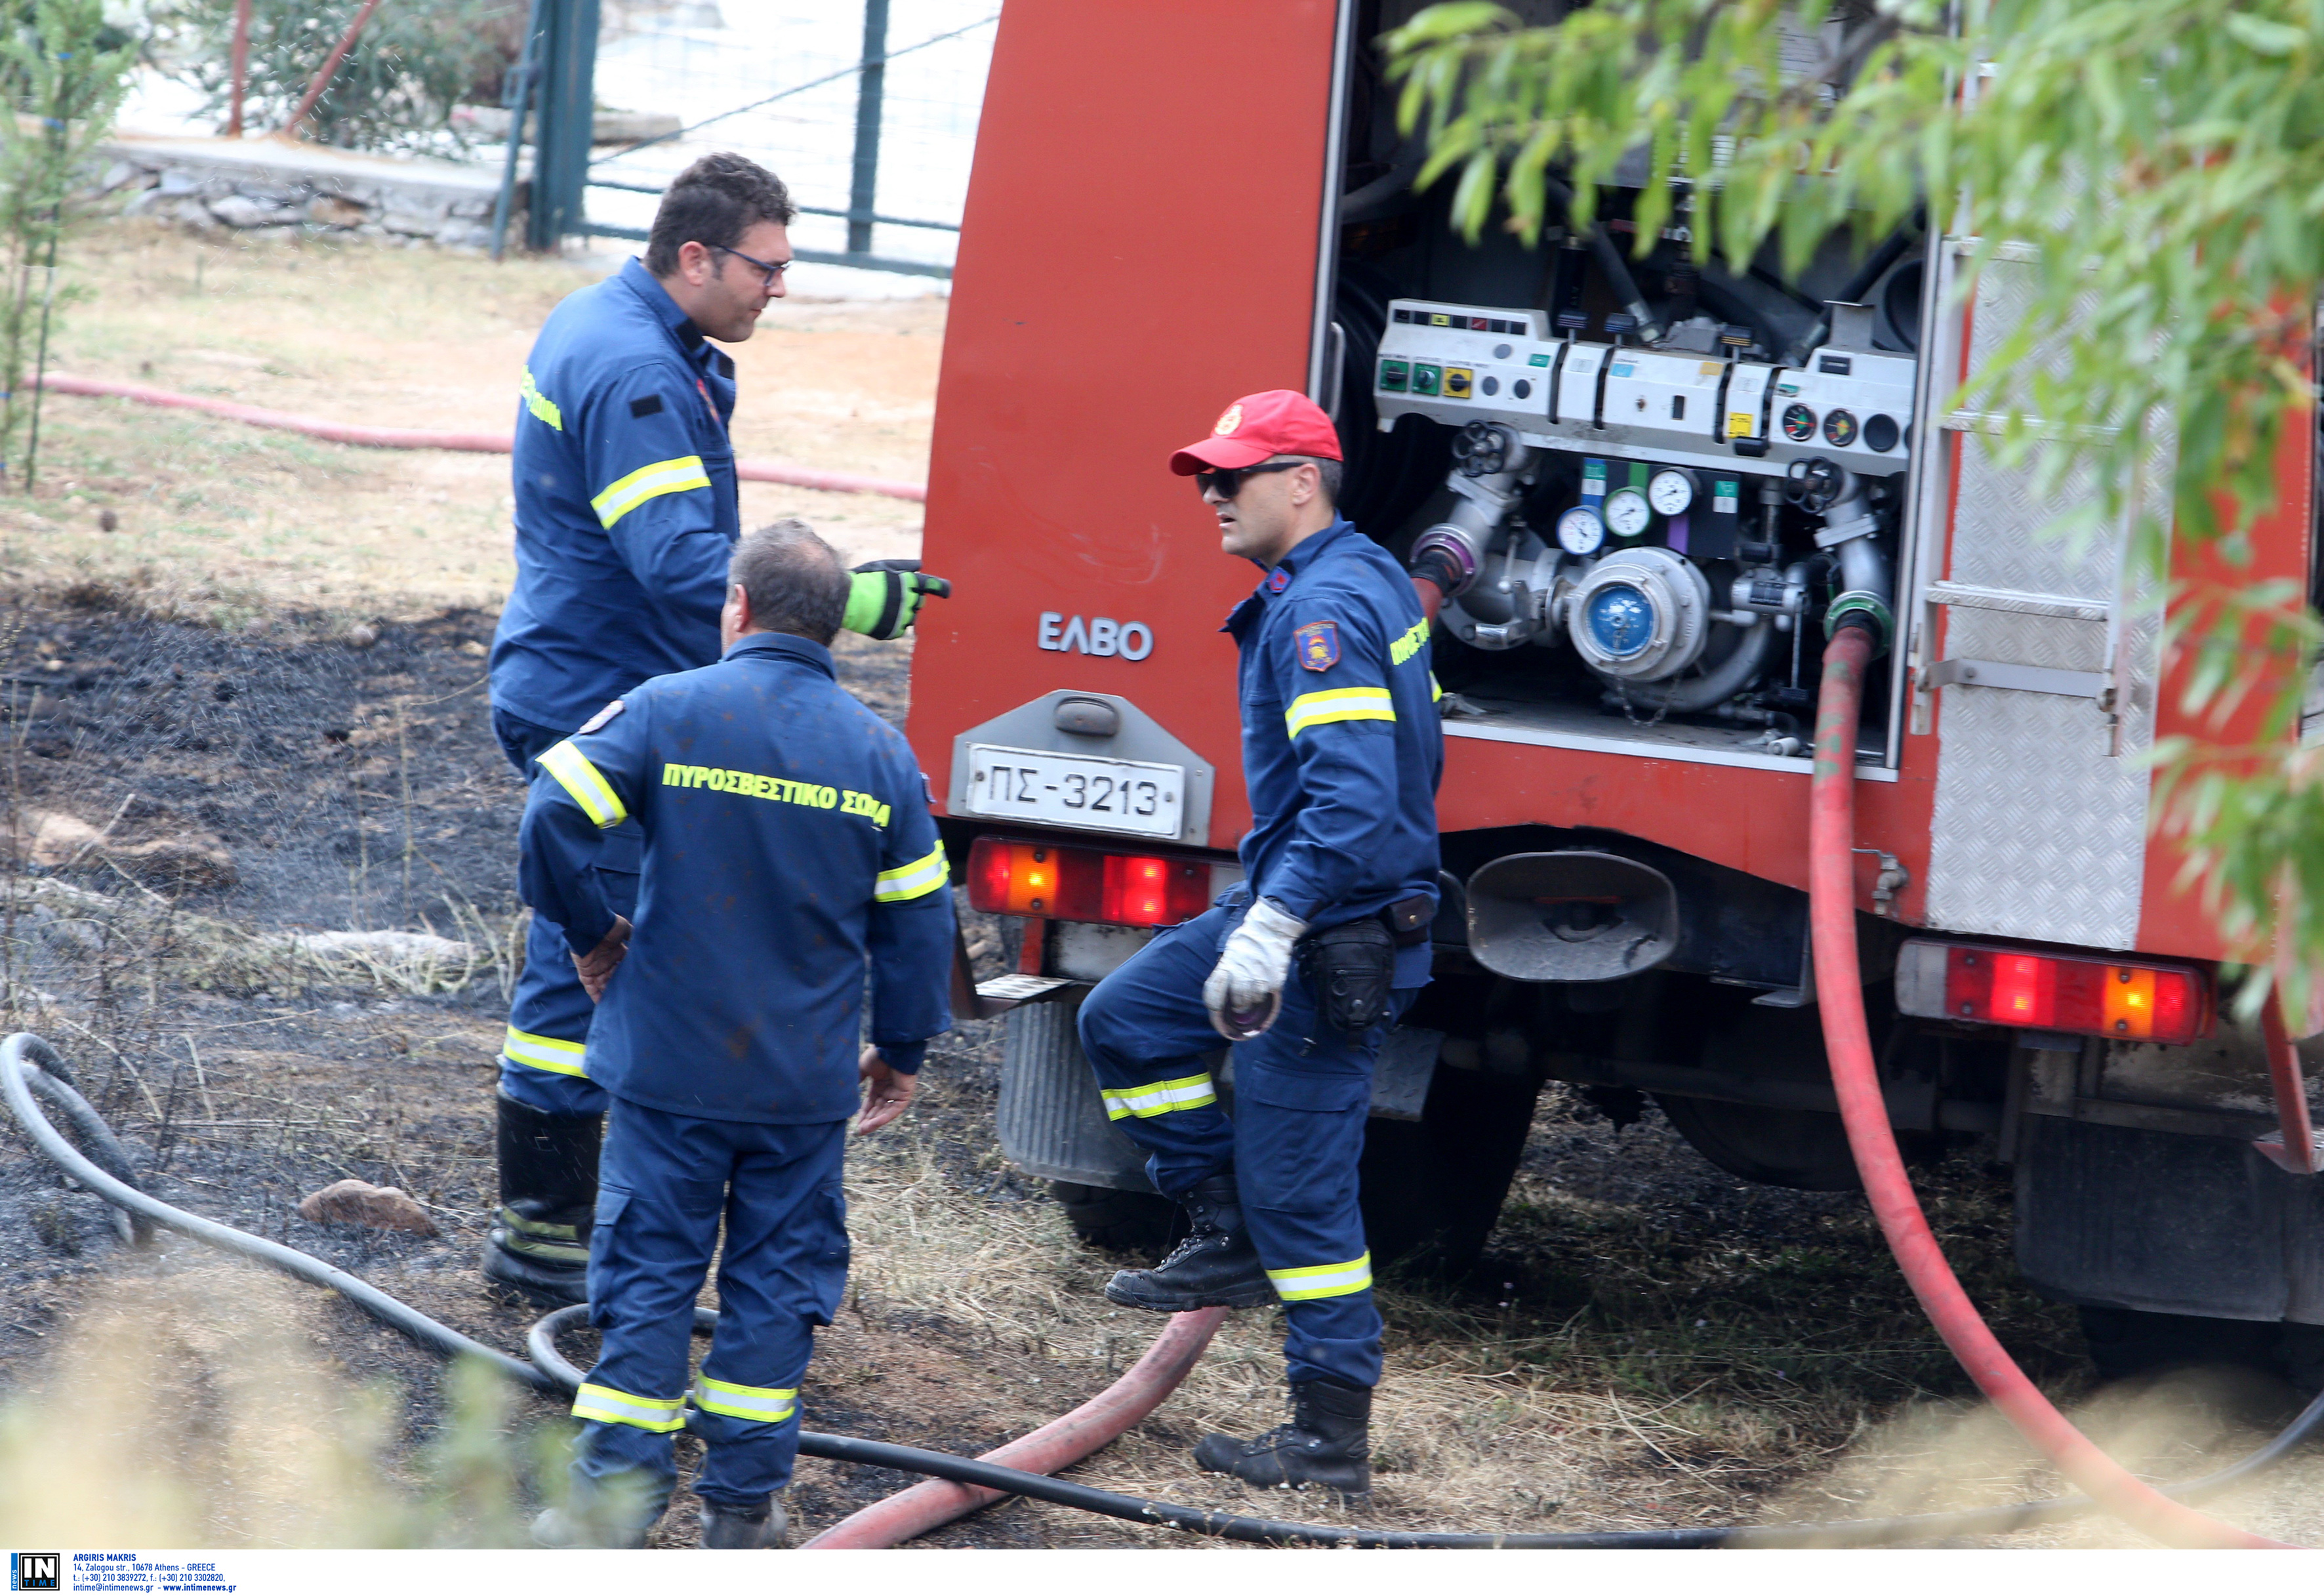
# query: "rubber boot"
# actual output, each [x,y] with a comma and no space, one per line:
[563,1529]
[1215,1267]
[726,1527]
[539,1243]
[1327,1443]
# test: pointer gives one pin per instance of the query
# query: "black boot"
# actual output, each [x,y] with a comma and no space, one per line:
[726,1527]
[539,1243]
[1327,1443]
[1215,1267]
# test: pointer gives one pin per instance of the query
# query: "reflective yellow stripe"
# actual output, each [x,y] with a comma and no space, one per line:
[1329,1279]
[558,1057]
[1162,1097]
[649,482]
[539,402]
[578,777]
[915,879]
[552,1243]
[1340,703]
[609,1406]
[1435,693]
[763,1404]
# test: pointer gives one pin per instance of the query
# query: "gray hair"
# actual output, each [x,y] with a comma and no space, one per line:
[794,579]
[1331,473]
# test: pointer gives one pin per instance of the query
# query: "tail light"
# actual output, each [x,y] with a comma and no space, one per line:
[2099,997]
[1085,883]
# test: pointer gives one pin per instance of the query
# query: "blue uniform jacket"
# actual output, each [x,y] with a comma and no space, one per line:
[787,841]
[625,503]
[1341,748]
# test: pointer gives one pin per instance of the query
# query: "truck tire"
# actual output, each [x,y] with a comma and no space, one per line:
[1119,1221]
[1798,1148]
[1432,1189]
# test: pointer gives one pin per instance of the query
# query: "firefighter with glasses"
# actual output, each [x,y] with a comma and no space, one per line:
[787,849]
[1305,966]
[626,515]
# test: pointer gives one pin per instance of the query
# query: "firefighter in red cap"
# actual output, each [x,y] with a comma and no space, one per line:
[1305,966]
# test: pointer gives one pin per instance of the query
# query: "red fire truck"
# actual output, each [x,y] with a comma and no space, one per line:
[1648,490]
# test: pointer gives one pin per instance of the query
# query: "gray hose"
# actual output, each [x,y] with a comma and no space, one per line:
[26,1059]
[1715,686]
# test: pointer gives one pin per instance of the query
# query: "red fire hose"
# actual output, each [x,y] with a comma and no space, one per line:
[898,1518]
[418,437]
[1856,1078]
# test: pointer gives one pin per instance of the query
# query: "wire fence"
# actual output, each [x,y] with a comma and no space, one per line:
[880,177]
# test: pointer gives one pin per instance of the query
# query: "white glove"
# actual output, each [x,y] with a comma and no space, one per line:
[1245,991]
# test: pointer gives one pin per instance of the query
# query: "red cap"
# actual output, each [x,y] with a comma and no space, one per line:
[1258,426]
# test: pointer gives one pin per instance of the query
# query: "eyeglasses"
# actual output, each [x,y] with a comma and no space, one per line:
[773,269]
[1227,484]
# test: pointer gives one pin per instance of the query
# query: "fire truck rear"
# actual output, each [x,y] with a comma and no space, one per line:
[1648,490]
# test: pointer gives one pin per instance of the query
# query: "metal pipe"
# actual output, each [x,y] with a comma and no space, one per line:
[870,87]
[517,95]
[2284,1076]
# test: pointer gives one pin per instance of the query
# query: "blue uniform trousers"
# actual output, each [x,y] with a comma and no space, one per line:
[549,1014]
[1301,1092]
[664,1183]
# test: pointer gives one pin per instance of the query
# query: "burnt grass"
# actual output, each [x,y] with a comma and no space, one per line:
[325,776]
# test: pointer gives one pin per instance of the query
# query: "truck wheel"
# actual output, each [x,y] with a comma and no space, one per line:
[1798,1148]
[1119,1221]
[2126,1342]
[1433,1189]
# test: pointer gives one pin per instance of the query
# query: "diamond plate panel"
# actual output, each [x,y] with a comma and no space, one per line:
[2036,832]
[2039,827]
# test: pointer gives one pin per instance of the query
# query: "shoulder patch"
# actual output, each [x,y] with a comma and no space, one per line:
[1318,642]
[651,405]
[1277,579]
[600,718]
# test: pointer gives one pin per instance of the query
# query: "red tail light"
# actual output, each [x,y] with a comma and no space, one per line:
[2099,997]
[1086,884]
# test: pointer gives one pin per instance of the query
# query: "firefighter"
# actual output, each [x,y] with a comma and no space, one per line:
[787,840]
[626,514]
[1305,966]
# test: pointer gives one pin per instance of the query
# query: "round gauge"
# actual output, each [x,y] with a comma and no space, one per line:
[1838,429]
[1671,491]
[1799,424]
[1627,514]
[1580,531]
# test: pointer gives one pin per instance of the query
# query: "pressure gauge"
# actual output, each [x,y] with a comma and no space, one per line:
[1627,514]
[1671,491]
[1580,531]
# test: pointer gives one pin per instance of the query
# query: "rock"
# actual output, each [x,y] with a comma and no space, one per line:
[361,635]
[108,521]
[330,210]
[358,1202]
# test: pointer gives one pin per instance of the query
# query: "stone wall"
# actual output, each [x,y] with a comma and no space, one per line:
[271,186]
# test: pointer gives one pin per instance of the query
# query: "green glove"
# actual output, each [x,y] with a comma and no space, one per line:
[885,596]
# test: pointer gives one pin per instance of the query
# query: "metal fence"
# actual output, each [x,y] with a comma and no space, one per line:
[866,111]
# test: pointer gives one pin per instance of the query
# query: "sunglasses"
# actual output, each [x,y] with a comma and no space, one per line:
[773,269]
[1227,484]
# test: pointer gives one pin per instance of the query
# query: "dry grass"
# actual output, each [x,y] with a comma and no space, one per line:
[224,517]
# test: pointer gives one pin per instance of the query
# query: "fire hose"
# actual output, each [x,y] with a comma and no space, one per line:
[30,1068]
[1856,1080]
[420,438]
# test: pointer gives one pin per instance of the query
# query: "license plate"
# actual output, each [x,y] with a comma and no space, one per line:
[1075,790]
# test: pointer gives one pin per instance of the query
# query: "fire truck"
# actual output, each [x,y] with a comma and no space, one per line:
[1646,491]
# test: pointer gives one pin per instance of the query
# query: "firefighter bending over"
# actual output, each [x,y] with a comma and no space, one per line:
[787,841]
[1305,966]
[626,515]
